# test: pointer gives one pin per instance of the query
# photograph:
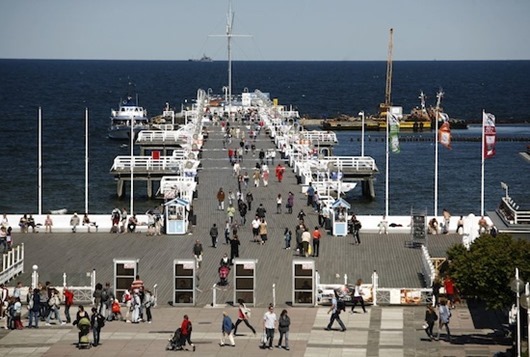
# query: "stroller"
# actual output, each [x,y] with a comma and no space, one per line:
[84,330]
[175,342]
[223,275]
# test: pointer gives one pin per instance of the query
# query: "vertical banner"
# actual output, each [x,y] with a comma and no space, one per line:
[394,133]
[444,133]
[488,127]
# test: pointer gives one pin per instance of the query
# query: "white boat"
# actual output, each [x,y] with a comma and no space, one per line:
[120,120]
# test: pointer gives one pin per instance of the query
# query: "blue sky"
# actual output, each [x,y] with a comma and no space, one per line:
[280,29]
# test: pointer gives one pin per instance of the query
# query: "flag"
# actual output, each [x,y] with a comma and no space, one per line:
[489,135]
[444,133]
[394,133]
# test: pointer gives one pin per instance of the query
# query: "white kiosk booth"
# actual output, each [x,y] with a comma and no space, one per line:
[125,271]
[245,281]
[339,217]
[177,216]
[184,282]
[303,282]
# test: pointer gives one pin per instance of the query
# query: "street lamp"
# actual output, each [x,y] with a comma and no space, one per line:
[505,188]
[525,303]
[517,286]
[362,133]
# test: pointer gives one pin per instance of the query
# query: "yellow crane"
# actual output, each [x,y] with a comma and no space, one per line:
[384,107]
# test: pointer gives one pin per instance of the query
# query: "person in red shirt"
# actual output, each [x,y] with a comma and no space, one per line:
[449,291]
[68,301]
[279,172]
[316,242]
[185,333]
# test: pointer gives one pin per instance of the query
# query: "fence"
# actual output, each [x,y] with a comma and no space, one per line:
[12,263]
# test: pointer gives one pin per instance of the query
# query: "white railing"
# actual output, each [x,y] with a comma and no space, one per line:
[319,136]
[172,136]
[355,162]
[429,273]
[173,186]
[147,163]
[12,263]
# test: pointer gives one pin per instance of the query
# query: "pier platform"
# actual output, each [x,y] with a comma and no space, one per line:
[383,331]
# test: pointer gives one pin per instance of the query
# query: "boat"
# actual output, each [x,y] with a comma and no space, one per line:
[120,120]
[204,58]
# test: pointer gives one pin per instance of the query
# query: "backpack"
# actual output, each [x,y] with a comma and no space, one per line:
[100,320]
[341,305]
[104,295]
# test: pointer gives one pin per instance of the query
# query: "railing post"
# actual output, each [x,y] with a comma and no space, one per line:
[35,276]
[345,279]
[317,284]
[375,285]
[64,280]
[155,294]
[214,295]
[274,294]
[21,246]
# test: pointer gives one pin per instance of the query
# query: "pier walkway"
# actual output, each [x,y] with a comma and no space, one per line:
[383,331]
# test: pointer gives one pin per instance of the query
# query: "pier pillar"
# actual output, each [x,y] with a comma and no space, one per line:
[120,188]
[368,188]
[149,188]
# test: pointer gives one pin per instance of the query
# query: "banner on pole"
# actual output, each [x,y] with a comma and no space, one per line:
[394,133]
[444,133]
[490,134]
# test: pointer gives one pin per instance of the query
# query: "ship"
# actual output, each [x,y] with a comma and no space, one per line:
[204,58]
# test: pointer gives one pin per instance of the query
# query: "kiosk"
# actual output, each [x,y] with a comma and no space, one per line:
[184,282]
[339,217]
[125,271]
[303,282]
[245,281]
[177,216]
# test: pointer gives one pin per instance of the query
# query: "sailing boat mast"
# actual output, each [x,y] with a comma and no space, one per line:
[229,24]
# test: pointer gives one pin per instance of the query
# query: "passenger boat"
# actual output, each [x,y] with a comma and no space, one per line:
[204,58]
[120,120]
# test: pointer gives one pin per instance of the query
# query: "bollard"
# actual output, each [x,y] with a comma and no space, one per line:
[35,276]
[155,294]
[64,280]
[214,293]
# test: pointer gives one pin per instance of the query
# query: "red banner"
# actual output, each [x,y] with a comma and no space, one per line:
[489,135]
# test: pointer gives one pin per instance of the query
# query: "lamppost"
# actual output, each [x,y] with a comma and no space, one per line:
[517,286]
[525,303]
[362,133]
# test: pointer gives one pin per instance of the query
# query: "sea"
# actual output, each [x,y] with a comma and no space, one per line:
[64,89]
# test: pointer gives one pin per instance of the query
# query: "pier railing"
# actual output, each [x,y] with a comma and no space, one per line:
[509,209]
[12,263]
[319,136]
[354,162]
[177,163]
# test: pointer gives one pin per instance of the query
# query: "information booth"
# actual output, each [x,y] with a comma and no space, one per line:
[303,282]
[184,282]
[125,271]
[245,281]
[177,216]
[339,217]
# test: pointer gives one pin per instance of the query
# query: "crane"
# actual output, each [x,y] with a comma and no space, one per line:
[384,107]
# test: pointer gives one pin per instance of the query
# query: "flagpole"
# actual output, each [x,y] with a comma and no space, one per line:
[482,176]
[40,161]
[86,160]
[387,163]
[132,166]
[436,164]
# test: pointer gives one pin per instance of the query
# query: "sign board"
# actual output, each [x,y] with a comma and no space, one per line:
[245,281]
[303,276]
[184,282]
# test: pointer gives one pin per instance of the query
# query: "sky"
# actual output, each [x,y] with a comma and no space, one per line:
[312,30]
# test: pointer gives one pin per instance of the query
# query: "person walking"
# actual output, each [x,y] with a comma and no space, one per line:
[221,199]
[269,325]
[430,318]
[185,333]
[214,233]
[287,237]
[290,202]
[445,315]
[316,235]
[34,308]
[306,242]
[234,249]
[227,330]
[243,315]
[357,296]
[249,198]
[356,224]
[68,302]
[197,253]
[279,203]
[97,321]
[335,313]
[283,328]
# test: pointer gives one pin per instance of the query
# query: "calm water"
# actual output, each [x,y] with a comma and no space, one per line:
[318,89]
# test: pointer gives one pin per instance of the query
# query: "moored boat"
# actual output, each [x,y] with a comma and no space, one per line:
[129,113]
